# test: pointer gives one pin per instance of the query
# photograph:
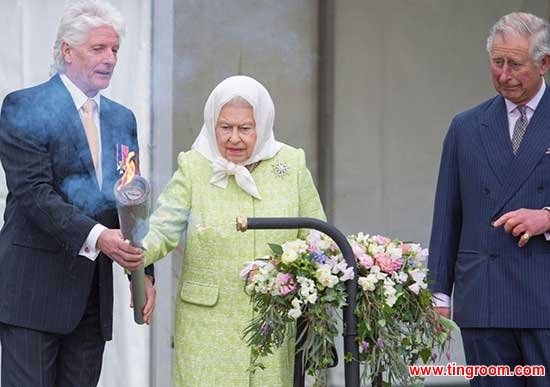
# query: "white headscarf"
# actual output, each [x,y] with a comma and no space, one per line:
[264,113]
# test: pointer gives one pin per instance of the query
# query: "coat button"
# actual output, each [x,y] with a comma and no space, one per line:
[486,191]
[540,189]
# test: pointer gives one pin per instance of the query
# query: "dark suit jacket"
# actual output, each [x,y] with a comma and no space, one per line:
[53,203]
[497,284]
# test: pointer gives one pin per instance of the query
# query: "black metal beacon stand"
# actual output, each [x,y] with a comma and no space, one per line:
[352,378]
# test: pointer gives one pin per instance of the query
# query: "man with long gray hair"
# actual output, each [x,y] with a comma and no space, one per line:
[62,146]
[488,236]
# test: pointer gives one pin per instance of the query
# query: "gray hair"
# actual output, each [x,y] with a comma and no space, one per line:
[525,25]
[238,101]
[77,20]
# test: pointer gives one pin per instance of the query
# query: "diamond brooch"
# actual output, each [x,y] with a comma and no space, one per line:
[280,169]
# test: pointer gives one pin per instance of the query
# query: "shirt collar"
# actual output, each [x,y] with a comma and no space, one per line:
[510,106]
[78,95]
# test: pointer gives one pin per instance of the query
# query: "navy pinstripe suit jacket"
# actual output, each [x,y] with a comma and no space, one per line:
[496,283]
[53,203]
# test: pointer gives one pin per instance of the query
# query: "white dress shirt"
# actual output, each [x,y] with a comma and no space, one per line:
[88,249]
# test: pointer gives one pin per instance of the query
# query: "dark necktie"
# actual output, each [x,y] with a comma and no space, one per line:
[519,128]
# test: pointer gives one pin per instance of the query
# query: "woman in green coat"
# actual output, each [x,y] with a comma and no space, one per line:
[235,167]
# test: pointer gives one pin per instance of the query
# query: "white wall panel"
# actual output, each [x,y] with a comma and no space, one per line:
[29,30]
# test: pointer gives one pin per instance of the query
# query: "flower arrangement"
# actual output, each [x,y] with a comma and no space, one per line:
[301,280]
[304,282]
[397,324]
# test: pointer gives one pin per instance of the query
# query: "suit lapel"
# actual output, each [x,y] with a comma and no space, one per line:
[73,129]
[108,149]
[495,138]
[533,147]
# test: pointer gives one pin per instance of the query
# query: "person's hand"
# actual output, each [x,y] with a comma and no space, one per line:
[444,311]
[112,243]
[150,299]
[524,223]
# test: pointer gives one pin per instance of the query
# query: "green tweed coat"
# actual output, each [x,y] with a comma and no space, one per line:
[211,306]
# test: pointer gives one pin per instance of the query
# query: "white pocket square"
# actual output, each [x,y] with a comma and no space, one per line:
[547,152]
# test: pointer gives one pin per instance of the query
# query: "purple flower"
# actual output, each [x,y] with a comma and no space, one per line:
[434,357]
[319,257]
[365,346]
[265,328]
[380,343]
[448,354]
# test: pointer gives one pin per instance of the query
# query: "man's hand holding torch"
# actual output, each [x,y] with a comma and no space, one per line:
[112,243]
[132,195]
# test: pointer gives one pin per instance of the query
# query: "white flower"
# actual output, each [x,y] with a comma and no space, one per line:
[400,277]
[376,249]
[312,298]
[389,283]
[362,238]
[340,267]
[366,285]
[296,303]
[262,262]
[298,246]
[305,283]
[390,292]
[394,252]
[415,288]
[307,291]
[289,256]
[294,313]
[348,274]
[418,276]
[296,310]
[380,275]
[325,276]
[415,248]
[422,255]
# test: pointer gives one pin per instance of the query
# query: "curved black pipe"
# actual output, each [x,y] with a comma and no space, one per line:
[350,322]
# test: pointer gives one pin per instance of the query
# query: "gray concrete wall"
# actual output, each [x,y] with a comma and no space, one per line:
[403,69]
[272,41]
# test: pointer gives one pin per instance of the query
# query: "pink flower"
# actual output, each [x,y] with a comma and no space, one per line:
[286,282]
[366,261]
[358,250]
[362,257]
[381,240]
[313,248]
[387,264]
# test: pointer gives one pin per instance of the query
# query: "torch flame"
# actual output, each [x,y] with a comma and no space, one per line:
[129,172]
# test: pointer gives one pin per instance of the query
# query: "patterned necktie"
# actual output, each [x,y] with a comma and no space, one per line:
[519,128]
[91,129]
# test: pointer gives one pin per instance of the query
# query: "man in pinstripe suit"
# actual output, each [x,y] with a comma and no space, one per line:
[56,279]
[489,219]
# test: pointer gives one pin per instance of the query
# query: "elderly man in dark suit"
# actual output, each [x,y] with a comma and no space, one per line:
[58,146]
[488,237]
